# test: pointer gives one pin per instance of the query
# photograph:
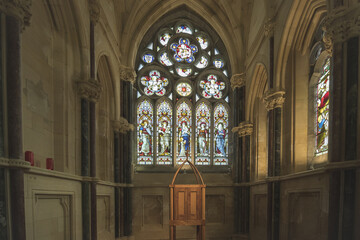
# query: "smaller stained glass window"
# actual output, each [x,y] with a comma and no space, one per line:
[144,129]
[148,58]
[164,59]
[183,121]
[184,89]
[202,63]
[218,63]
[184,29]
[184,51]
[221,123]
[154,83]
[212,87]
[164,38]
[202,146]
[204,43]
[164,133]
[183,72]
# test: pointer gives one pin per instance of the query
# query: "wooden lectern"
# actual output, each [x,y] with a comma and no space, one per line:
[187,204]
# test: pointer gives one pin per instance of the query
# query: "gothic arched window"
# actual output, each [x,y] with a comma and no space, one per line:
[183,102]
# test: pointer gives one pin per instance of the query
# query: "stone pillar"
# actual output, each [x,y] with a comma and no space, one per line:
[238,86]
[127,78]
[274,100]
[17,17]
[244,131]
[89,92]
[342,26]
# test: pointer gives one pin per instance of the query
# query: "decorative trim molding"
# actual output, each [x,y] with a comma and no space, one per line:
[274,99]
[17,8]
[122,125]
[269,27]
[127,74]
[14,163]
[244,129]
[343,23]
[90,89]
[238,80]
[94,11]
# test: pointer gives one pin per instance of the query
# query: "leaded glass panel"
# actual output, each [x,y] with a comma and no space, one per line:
[144,132]
[164,133]
[203,126]
[183,123]
[221,125]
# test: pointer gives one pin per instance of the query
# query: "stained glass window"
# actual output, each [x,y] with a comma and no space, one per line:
[322,111]
[164,133]
[203,126]
[144,132]
[221,125]
[183,123]
[182,96]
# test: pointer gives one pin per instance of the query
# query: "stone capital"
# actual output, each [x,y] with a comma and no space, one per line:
[90,89]
[343,23]
[274,99]
[94,11]
[17,8]
[238,80]
[127,74]
[244,129]
[122,125]
[269,27]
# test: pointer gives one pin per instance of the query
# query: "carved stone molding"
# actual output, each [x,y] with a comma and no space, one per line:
[274,99]
[238,80]
[269,27]
[127,74]
[17,8]
[94,11]
[328,42]
[14,163]
[90,89]
[343,23]
[122,125]
[244,129]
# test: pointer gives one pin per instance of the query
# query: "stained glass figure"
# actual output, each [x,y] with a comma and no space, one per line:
[148,58]
[204,43]
[323,110]
[184,29]
[221,124]
[184,51]
[218,63]
[154,83]
[183,122]
[164,38]
[202,63]
[164,133]
[183,72]
[144,130]
[183,89]
[202,146]
[164,59]
[212,87]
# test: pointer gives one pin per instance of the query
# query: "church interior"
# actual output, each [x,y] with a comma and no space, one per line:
[103,100]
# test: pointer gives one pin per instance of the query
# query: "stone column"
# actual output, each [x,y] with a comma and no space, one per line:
[342,26]
[244,131]
[238,86]
[274,100]
[127,78]
[17,17]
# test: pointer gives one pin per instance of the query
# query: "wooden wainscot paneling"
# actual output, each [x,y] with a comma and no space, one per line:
[52,216]
[152,216]
[304,215]
[215,209]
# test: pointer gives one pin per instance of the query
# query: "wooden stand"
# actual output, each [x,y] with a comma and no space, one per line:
[187,204]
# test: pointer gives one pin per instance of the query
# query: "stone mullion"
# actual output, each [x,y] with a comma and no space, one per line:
[2,92]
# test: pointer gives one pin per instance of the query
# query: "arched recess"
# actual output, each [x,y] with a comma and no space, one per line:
[105,112]
[257,114]
[145,16]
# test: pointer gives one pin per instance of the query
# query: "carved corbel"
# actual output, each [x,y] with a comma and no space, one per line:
[269,27]
[127,74]
[274,99]
[343,23]
[122,125]
[238,80]
[94,11]
[17,8]
[244,129]
[90,89]
[328,42]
